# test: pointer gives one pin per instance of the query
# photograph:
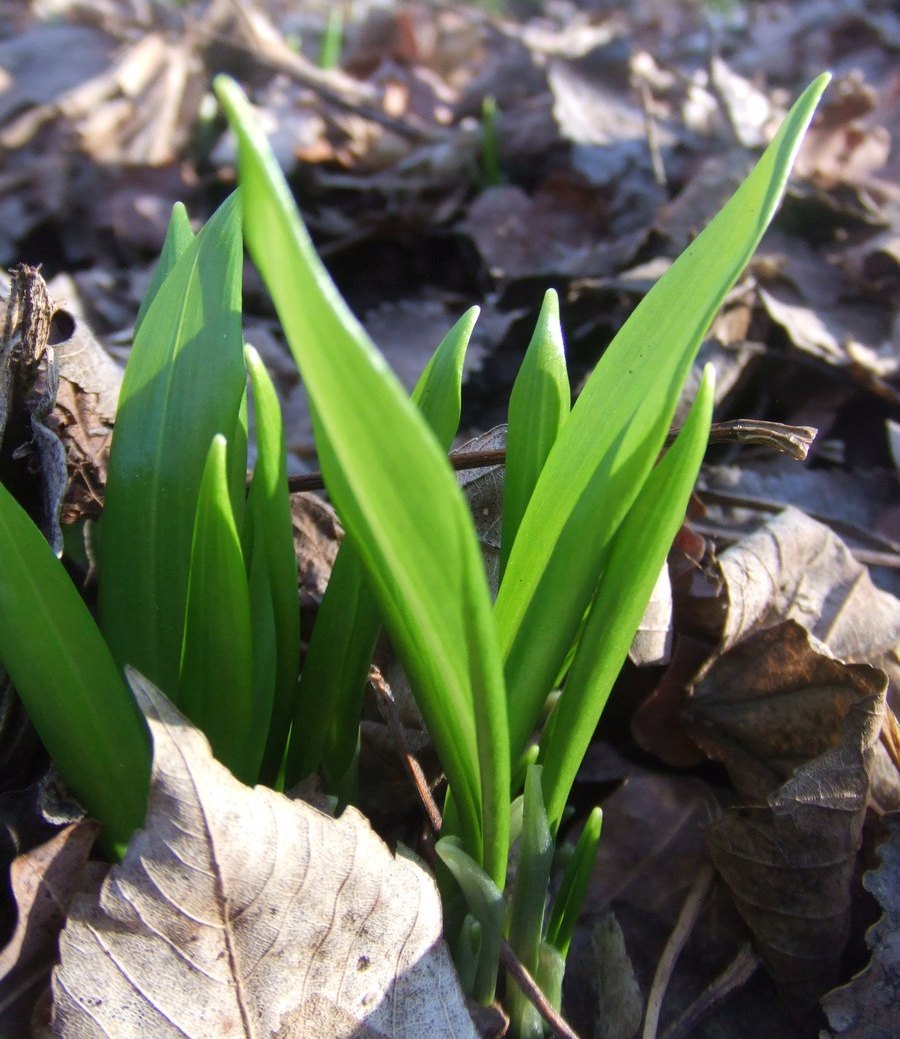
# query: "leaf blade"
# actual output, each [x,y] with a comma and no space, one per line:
[417,540]
[615,432]
[169,411]
[268,502]
[637,554]
[349,621]
[215,682]
[68,681]
[538,407]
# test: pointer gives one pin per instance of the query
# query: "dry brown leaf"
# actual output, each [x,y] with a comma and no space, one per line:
[656,722]
[652,643]
[483,489]
[558,230]
[841,335]
[237,912]
[870,1004]
[797,568]
[85,412]
[603,996]
[773,703]
[796,730]
[43,882]
[845,145]
[317,537]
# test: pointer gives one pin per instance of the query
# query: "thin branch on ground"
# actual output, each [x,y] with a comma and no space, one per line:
[790,440]
[687,918]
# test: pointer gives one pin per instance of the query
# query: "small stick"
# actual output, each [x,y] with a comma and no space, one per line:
[690,911]
[656,160]
[387,706]
[533,992]
[791,440]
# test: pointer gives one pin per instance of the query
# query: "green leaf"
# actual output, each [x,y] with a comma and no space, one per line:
[637,555]
[485,902]
[438,392]
[396,495]
[178,237]
[551,970]
[71,688]
[574,887]
[237,463]
[265,664]
[526,918]
[183,385]
[269,506]
[215,686]
[327,713]
[467,953]
[615,432]
[349,620]
[538,407]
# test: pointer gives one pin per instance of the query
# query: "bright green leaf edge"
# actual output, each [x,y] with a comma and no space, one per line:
[329,704]
[179,236]
[538,407]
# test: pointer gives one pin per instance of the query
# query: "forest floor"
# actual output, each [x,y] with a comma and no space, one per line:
[462,154]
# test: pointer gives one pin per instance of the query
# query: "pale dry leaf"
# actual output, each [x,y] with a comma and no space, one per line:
[841,335]
[749,110]
[90,381]
[603,994]
[652,643]
[869,1005]
[237,912]
[317,537]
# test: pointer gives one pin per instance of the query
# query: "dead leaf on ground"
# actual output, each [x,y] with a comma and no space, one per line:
[652,848]
[602,994]
[870,1004]
[317,537]
[795,567]
[237,912]
[773,703]
[656,723]
[84,416]
[483,489]
[561,229]
[44,881]
[652,842]
[843,146]
[796,730]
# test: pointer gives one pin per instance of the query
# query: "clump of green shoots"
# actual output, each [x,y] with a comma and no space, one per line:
[197,577]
